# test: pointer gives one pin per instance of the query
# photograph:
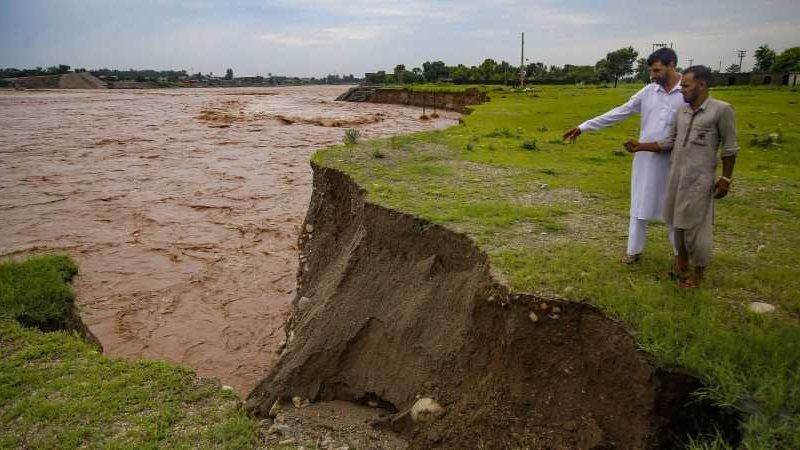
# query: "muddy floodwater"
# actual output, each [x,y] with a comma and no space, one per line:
[182,208]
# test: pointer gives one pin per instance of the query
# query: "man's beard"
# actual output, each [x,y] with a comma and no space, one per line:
[690,98]
[661,81]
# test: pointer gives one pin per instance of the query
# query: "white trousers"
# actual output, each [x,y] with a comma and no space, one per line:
[637,235]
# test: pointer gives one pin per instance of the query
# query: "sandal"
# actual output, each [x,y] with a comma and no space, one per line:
[631,259]
[675,274]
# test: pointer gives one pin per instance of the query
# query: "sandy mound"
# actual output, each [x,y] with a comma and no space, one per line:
[391,308]
[83,80]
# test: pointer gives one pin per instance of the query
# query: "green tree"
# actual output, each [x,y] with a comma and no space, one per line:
[399,73]
[535,71]
[488,68]
[617,64]
[229,74]
[788,61]
[433,71]
[642,71]
[765,58]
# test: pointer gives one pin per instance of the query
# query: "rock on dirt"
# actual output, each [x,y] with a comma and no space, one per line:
[761,307]
[426,410]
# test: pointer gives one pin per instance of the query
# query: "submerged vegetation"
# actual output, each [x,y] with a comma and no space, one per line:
[554,222]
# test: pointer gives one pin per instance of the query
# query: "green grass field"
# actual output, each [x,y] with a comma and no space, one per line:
[58,391]
[553,218]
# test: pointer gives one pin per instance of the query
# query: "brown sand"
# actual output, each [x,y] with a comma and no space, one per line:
[185,228]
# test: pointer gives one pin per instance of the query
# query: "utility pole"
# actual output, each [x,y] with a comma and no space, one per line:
[740,54]
[522,63]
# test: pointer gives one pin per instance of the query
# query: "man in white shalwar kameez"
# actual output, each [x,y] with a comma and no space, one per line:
[658,103]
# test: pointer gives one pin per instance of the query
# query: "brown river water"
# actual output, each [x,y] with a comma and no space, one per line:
[182,208]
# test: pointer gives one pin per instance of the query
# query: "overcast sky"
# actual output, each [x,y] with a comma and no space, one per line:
[318,37]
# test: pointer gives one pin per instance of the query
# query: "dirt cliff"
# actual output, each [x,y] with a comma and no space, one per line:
[453,101]
[391,308]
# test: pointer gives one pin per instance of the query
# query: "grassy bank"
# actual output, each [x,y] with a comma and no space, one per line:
[58,391]
[553,218]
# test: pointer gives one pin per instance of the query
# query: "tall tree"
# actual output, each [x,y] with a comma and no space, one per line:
[642,71]
[733,68]
[433,71]
[765,58]
[788,61]
[399,73]
[618,63]
[488,68]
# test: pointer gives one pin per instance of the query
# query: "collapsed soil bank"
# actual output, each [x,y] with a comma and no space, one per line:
[391,308]
[452,101]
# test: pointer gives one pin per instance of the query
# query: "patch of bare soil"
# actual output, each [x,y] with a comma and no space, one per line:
[394,311]
[331,425]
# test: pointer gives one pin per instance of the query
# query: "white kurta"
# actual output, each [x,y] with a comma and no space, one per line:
[650,170]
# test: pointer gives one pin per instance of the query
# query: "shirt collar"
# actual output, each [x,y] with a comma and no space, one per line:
[677,86]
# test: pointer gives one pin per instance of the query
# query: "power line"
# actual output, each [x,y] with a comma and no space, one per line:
[657,45]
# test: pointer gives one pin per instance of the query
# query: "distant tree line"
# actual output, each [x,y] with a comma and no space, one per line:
[178,75]
[620,64]
[38,71]
[615,66]
[767,60]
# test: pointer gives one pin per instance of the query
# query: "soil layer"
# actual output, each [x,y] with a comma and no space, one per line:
[391,308]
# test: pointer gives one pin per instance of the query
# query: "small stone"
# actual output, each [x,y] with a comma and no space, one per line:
[533,317]
[309,228]
[490,299]
[761,307]
[344,447]
[543,306]
[554,316]
[278,429]
[372,404]
[227,388]
[760,248]
[289,441]
[556,310]
[303,302]
[275,409]
[568,290]
[425,410]
[300,402]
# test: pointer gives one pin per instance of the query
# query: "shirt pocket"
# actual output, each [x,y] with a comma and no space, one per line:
[703,136]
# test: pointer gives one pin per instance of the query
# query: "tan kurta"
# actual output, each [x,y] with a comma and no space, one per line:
[694,140]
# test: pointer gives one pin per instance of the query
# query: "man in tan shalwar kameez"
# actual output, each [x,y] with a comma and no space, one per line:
[700,126]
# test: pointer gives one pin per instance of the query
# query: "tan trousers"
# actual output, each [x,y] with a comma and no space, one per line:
[696,243]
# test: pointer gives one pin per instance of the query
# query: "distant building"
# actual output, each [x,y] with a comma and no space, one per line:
[750,79]
[793,79]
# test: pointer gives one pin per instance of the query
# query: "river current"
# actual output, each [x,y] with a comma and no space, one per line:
[182,208]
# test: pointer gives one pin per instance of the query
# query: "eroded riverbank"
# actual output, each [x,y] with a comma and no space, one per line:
[182,208]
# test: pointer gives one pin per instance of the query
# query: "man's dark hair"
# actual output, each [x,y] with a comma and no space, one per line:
[701,73]
[665,55]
